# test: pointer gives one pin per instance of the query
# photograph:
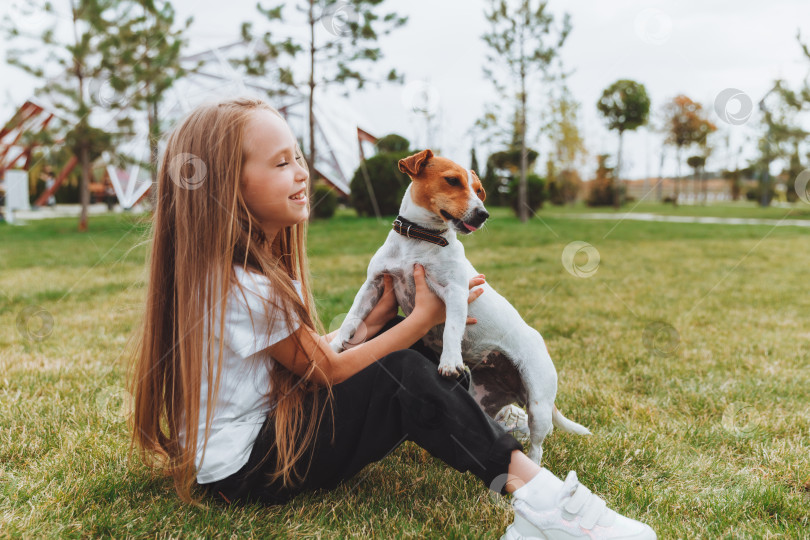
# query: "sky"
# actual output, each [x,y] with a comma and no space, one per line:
[704,49]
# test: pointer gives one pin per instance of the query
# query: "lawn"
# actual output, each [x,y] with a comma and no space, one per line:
[726,209]
[685,351]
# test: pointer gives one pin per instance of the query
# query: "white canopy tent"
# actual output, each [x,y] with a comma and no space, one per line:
[339,129]
[212,76]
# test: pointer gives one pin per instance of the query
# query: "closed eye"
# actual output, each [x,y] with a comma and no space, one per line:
[453,180]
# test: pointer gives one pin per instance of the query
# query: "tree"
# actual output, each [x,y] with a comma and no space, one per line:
[76,67]
[805,91]
[603,186]
[625,107]
[698,163]
[685,125]
[567,147]
[474,161]
[342,35]
[781,137]
[503,176]
[521,47]
[142,59]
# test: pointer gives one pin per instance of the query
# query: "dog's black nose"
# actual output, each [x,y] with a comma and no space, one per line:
[479,217]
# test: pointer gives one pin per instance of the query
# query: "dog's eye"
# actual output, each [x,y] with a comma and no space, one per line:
[453,180]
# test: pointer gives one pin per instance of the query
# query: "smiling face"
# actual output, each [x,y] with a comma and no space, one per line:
[447,189]
[274,178]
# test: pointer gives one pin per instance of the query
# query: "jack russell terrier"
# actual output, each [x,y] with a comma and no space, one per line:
[509,359]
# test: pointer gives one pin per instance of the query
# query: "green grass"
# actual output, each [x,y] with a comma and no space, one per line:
[739,209]
[708,439]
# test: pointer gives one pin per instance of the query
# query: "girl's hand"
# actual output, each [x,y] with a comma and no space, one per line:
[429,306]
[385,309]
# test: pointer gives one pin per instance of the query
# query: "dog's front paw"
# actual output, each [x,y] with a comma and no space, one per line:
[336,344]
[451,368]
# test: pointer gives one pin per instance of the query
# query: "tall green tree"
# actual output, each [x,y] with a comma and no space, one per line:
[805,91]
[625,106]
[567,146]
[67,70]
[141,59]
[698,163]
[269,56]
[523,42]
[781,136]
[340,46]
[685,125]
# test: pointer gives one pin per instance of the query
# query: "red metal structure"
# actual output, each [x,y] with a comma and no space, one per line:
[29,118]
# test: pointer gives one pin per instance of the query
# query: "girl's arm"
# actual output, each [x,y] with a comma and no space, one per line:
[387,308]
[337,367]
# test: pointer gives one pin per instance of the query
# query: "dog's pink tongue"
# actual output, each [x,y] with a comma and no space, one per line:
[470,227]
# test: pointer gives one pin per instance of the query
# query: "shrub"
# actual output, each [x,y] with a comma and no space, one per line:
[603,187]
[564,188]
[535,190]
[392,143]
[387,182]
[324,201]
[755,193]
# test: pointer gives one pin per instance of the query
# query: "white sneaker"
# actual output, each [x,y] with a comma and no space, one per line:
[515,421]
[577,514]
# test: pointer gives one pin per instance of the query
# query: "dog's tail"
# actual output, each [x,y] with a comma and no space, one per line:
[565,424]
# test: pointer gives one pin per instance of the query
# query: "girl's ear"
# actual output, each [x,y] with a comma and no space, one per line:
[413,165]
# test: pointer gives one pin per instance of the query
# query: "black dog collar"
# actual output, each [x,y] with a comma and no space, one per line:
[417,232]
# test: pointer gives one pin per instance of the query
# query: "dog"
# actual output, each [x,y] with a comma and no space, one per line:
[509,360]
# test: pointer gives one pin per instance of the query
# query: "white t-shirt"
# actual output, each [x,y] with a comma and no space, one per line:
[241,407]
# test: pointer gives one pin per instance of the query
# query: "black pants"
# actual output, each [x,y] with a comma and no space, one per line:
[399,398]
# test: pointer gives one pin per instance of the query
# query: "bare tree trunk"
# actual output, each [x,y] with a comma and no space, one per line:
[660,186]
[677,178]
[84,186]
[154,135]
[703,185]
[84,151]
[617,178]
[523,198]
[311,90]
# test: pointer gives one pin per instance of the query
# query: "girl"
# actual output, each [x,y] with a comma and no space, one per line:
[237,390]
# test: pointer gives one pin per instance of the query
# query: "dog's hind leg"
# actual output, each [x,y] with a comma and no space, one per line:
[353,331]
[540,379]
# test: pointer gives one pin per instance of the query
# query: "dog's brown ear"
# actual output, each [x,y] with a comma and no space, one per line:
[478,187]
[412,165]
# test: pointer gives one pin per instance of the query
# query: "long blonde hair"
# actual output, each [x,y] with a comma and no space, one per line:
[201,228]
